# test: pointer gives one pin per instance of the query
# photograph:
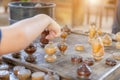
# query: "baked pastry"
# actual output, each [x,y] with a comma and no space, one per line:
[38,76]
[4,67]
[89,61]
[17,68]
[4,75]
[24,74]
[118,45]
[79,47]
[107,40]
[117,36]
[110,62]
[116,55]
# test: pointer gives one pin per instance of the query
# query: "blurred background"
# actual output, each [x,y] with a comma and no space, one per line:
[76,13]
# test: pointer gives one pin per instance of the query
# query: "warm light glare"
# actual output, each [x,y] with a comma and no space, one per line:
[93,1]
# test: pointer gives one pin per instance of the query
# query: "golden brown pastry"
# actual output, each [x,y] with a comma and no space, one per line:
[79,47]
[38,76]
[4,75]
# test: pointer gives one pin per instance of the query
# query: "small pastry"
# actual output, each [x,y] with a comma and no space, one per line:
[107,40]
[79,47]
[89,61]
[38,76]
[16,55]
[4,75]
[117,36]
[4,67]
[24,74]
[116,55]
[17,68]
[110,62]
[118,45]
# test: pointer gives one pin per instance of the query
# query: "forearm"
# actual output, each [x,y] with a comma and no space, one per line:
[21,34]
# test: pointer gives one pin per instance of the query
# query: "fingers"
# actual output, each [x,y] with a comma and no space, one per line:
[51,35]
[54,31]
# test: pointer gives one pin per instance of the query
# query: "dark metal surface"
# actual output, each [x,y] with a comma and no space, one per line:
[22,10]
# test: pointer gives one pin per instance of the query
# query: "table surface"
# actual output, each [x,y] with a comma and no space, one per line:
[63,65]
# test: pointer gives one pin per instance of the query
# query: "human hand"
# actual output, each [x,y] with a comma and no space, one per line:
[54,30]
